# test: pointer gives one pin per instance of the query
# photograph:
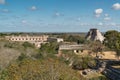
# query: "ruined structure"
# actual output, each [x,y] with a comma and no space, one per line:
[70,47]
[36,40]
[95,34]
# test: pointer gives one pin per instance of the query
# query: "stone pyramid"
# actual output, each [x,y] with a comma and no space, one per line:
[95,34]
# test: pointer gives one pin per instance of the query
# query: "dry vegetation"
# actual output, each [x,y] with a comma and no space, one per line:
[29,69]
[9,51]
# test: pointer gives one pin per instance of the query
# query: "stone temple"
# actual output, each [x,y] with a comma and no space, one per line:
[95,34]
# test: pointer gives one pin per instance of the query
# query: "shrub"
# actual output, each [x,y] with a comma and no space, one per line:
[22,57]
[27,44]
[83,63]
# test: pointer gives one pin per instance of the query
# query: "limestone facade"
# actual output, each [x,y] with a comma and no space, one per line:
[95,34]
[37,40]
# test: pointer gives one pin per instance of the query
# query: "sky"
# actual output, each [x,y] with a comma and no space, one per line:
[59,15]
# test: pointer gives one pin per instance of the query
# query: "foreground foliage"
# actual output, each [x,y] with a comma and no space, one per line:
[113,41]
[29,69]
[84,63]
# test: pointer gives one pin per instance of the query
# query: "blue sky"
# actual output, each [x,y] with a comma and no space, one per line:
[59,15]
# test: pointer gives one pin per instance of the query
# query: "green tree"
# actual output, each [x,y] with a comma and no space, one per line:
[22,57]
[96,47]
[76,38]
[112,41]
[49,49]
[85,62]
[27,44]
[73,38]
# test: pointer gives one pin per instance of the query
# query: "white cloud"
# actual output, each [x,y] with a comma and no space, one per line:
[106,15]
[24,21]
[98,12]
[116,6]
[57,14]
[97,15]
[33,8]
[113,24]
[107,18]
[100,23]
[2,1]
[85,24]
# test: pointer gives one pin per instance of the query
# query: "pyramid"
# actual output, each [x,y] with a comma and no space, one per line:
[95,34]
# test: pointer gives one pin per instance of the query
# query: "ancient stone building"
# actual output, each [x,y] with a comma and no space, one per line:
[95,34]
[37,40]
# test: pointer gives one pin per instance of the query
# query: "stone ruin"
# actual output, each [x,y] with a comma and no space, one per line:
[95,34]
